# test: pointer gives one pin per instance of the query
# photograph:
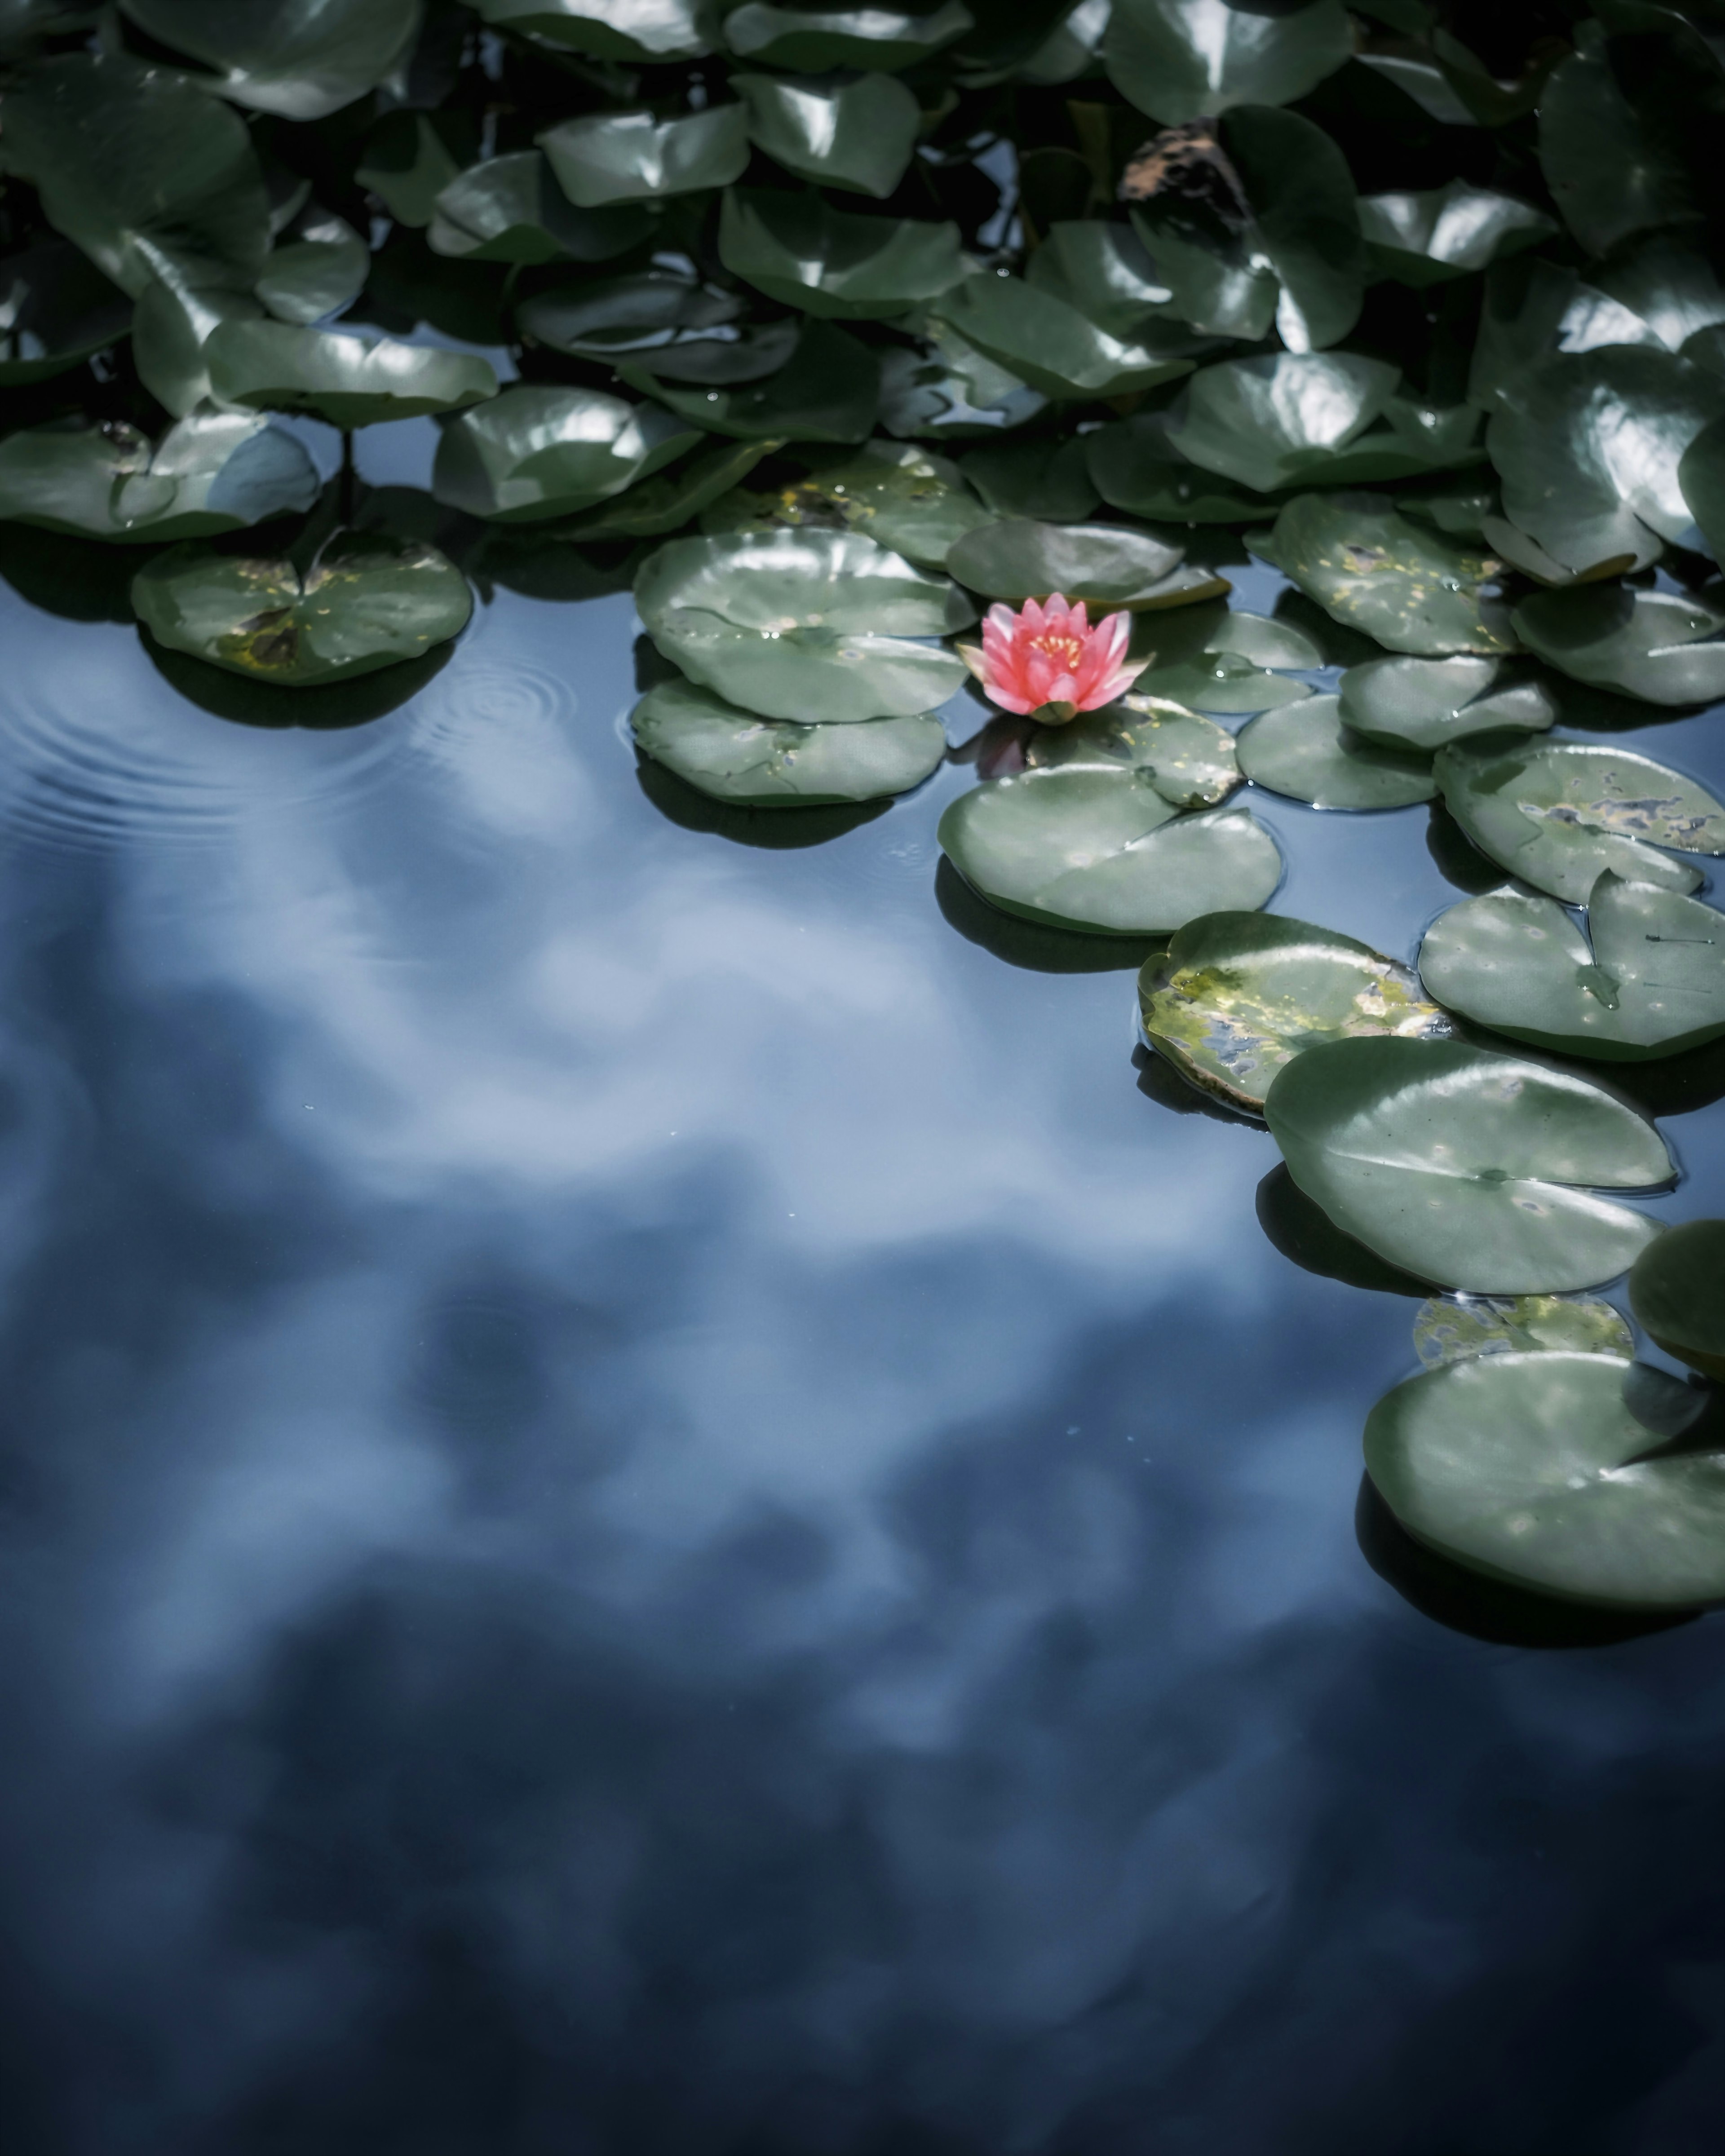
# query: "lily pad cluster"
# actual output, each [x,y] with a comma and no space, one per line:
[825,329]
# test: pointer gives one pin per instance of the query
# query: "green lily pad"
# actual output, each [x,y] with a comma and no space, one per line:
[1701,475]
[535,453]
[1653,983]
[56,308]
[1304,751]
[1587,446]
[1535,308]
[605,157]
[510,209]
[1463,1167]
[1558,814]
[1611,174]
[669,499]
[733,756]
[1286,418]
[1047,479]
[215,471]
[1427,237]
[794,624]
[367,601]
[347,379]
[1677,1291]
[905,499]
[1104,851]
[810,40]
[409,158]
[1104,271]
[798,251]
[1183,59]
[607,318]
[1238,996]
[945,390]
[1403,584]
[656,31]
[171,325]
[859,134]
[140,168]
[1425,703]
[1457,1328]
[1104,564]
[1190,760]
[1530,1468]
[1665,279]
[318,268]
[1134,466]
[1221,660]
[828,390]
[1660,646]
[300,58]
[1050,346]
[1253,224]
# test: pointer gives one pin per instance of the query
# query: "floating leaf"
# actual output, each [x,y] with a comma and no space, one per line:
[1220,659]
[733,756]
[55,309]
[366,601]
[830,263]
[1661,646]
[1531,1468]
[1534,309]
[1701,475]
[655,311]
[1104,851]
[510,209]
[408,160]
[1182,59]
[908,500]
[828,390]
[1303,750]
[1456,1328]
[1190,760]
[1425,238]
[1677,1291]
[1653,983]
[860,134]
[1104,271]
[539,452]
[667,501]
[1134,466]
[1587,446]
[300,58]
[1052,346]
[140,167]
[215,471]
[605,157]
[1285,419]
[1108,565]
[797,624]
[1048,479]
[1461,1166]
[1238,995]
[1558,814]
[810,40]
[349,380]
[319,268]
[1610,174]
[1253,224]
[657,31]
[171,325]
[1424,703]
[1403,584]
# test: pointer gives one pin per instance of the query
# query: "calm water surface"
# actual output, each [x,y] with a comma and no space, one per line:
[655,1502]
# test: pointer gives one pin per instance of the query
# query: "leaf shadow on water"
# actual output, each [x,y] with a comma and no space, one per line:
[778,829]
[1298,1228]
[1159,1081]
[1663,1085]
[1482,1608]
[1029,944]
[1459,861]
[266,704]
[78,579]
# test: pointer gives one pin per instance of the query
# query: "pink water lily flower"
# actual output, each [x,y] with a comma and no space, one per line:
[1049,660]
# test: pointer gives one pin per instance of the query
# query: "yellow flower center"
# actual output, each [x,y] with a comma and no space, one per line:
[1067,649]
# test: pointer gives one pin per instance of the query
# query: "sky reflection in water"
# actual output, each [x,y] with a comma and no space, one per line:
[652,1506]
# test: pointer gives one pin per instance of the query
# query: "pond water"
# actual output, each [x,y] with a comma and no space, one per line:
[657,1500]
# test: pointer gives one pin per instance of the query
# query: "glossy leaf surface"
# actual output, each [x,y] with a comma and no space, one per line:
[318,268]
[828,390]
[300,58]
[215,471]
[1289,418]
[1304,750]
[733,756]
[1662,646]
[1468,1169]
[658,31]
[668,499]
[1425,703]
[510,209]
[811,39]
[831,263]
[906,499]
[1108,565]
[1402,583]
[1182,59]
[1050,346]
[630,156]
[539,452]
[1677,1291]
[1221,659]
[859,135]
[1190,759]
[1238,995]
[1428,238]
[56,308]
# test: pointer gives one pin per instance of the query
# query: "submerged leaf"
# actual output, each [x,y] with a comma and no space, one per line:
[1456,1328]
[1462,1167]
[1677,1291]
[1238,995]
[733,756]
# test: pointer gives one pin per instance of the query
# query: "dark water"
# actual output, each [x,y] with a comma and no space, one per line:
[649,1506]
